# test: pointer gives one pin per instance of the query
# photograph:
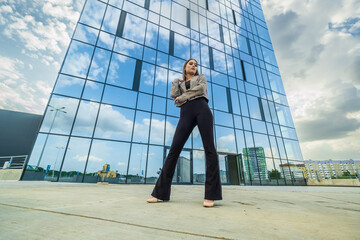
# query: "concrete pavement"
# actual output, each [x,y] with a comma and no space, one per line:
[46,210]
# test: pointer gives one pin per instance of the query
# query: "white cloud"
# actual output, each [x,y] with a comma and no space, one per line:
[92,158]
[318,59]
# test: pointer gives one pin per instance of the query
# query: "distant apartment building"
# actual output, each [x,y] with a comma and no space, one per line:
[331,168]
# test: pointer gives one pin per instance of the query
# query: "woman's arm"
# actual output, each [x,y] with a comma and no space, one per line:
[175,90]
[197,90]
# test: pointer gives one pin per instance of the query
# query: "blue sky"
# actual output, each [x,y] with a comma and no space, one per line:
[316,43]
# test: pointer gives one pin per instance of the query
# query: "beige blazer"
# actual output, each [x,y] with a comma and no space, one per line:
[197,89]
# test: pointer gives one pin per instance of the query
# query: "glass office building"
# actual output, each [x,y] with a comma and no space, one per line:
[110,116]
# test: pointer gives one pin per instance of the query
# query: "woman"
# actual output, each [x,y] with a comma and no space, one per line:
[192,97]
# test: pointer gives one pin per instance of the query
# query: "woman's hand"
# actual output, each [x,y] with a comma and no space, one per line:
[176,100]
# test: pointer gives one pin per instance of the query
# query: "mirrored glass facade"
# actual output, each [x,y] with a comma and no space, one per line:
[110,116]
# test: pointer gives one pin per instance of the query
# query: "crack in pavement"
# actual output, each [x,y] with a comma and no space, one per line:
[343,201]
[116,221]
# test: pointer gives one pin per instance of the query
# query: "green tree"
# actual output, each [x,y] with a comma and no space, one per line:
[274,174]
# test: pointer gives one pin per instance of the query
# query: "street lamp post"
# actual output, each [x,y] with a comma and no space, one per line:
[47,136]
[57,156]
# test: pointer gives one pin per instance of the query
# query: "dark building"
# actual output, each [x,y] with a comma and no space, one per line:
[17,132]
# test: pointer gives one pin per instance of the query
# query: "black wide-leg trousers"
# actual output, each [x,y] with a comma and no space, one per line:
[192,113]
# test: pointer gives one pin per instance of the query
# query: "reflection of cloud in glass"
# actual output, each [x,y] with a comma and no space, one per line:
[213,29]
[134,28]
[93,13]
[157,130]
[86,34]
[112,122]
[199,155]
[63,121]
[65,81]
[142,127]
[224,141]
[110,21]
[161,76]
[170,130]
[83,158]
[99,65]
[148,76]
[219,61]
[106,40]
[78,59]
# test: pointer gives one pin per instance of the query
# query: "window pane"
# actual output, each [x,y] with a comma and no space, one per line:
[205,56]
[220,98]
[219,78]
[59,115]
[114,123]
[141,128]
[46,157]
[181,47]
[240,140]
[93,13]
[77,60]
[155,163]
[69,86]
[75,159]
[157,129]
[199,173]
[276,83]
[134,29]
[194,20]
[137,163]
[121,72]
[222,118]
[293,149]
[105,40]
[171,124]
[254,106]
[284,115]
[235,102]
[160,82]
[85,119]
[162,59]
[128,48]
[119,96]
[147,78]
[159,105]
[99,65]
[219,61]
[111,20]
[258,126]
[252,89]
[93,91]
[144,101]
[116,155]
[149,55]
[243,104]
[151,35]
[86,34]
[225,139]
[164,36]
[178,13]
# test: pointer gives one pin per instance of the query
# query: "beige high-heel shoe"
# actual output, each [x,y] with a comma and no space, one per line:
[208,203]
[154,200]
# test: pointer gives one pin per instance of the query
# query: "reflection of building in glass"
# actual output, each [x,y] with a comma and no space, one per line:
[255,164]
[331,168]
[111,105]
[183,169]
[293,171]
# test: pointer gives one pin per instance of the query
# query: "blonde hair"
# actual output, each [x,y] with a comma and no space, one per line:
[184,71]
